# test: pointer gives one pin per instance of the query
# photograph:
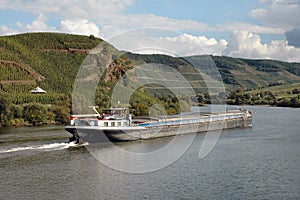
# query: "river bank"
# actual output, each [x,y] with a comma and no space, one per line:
[48,117]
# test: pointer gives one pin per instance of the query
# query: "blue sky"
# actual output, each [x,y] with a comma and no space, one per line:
[204,11]
[238,28]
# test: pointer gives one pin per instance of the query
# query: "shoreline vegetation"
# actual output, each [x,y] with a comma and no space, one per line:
[32,114]
[51,61]
[263,96]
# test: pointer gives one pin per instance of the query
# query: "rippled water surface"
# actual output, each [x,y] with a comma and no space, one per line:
[260,162]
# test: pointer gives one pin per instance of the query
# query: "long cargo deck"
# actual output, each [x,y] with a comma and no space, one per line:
[122,127]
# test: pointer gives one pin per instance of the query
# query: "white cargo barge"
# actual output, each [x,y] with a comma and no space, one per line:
[116,124]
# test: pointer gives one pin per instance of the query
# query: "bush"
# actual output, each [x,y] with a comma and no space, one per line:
[5,106]
[62,114]
[295,91]
[35,114]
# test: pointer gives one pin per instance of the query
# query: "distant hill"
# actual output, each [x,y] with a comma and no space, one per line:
[51,61]
[256,73]
[248,73]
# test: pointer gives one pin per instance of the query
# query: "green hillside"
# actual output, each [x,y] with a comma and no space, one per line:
[52,60]
[257,73]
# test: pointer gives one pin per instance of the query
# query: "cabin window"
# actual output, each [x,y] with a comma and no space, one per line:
[119,124]
[125,123]
[105,123]
[113,124]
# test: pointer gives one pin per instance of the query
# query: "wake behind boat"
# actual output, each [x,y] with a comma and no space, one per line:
[116,124]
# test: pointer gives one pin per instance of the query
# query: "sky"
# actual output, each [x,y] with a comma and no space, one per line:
[256,29]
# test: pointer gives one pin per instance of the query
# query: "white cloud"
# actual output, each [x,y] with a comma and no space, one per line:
[4,30]
[149,20]
[81,27]
[200,40]
[38,25]
[87,13]
[248,45]
[186,44]
[279,13]
[239,26]
[108,31]
[148,41]
[201,45]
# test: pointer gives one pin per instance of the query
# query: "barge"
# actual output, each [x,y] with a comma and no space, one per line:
[116,124]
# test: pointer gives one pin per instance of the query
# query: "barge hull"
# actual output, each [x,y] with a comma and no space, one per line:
[104,134]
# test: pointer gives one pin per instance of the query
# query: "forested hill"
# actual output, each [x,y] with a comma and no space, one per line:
[51,61]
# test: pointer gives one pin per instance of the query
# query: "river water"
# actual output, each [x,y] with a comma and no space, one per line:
[262,162]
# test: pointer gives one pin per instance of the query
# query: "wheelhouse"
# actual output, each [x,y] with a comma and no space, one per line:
[113,117]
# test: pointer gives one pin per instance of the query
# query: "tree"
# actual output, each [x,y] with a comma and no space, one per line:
[295,91]
[62,114]
[35,114]
[141,109]
[92,37]
[5,105]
